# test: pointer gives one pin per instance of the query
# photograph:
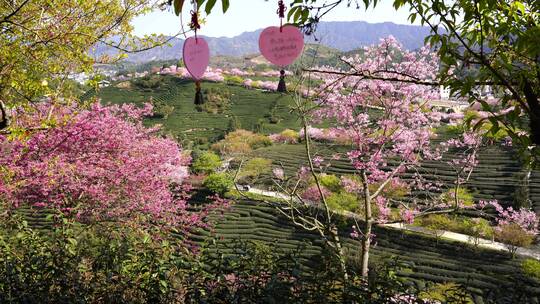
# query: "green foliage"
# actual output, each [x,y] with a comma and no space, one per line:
[477,228]
[290,136]
[531,268]
[437,222]
[218,183]
[464,197]
[241,141]
[390,191]
[161,108]
[39,55]
[234,124]
[149,82]
[216,100]
[207,162]
[443,292]
[343,201]
[254,168]
[330,181]
[75,263]
[233,79]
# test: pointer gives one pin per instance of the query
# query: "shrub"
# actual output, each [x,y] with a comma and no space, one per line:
[233,79]
[331,182]
[443,292]
[392,190]
[151,82]
[254,167]
[289,136]
[513,236]
[218,183]
[75,263]
[438,223]
[464,197]
[343,201]
[531,268]
[216,100]
[206,163]
[160,108]
[234,124]
[477,229]
[241,141]
[312,194]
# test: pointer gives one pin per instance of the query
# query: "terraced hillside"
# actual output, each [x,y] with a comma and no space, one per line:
[428,260]
[252,108]
[498,176]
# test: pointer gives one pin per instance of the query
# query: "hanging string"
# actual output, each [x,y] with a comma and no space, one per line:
[194,25]
[281,12]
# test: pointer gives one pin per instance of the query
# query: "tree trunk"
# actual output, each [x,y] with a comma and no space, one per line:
[366,238]
[534,114]
[339,252]
[3,119]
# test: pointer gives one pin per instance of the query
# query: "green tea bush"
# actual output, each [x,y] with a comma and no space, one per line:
[216,100]
[218,183]
[254,168]
[464,197]
[438,223]
[151,82]
[233,79]
[477,229]
[531,268]
[206,162]
[343,201]
[331,182]
[241,141]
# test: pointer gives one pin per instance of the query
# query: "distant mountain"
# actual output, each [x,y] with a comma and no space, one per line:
[347,36]
[343,35]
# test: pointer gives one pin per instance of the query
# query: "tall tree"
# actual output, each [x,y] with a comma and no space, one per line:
[42,42]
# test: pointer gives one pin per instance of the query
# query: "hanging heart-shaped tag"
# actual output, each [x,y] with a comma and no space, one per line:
[196,56]
[281,47]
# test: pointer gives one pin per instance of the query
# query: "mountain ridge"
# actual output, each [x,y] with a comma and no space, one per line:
[351,35]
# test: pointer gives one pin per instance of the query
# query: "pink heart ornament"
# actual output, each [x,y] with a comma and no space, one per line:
[196,56]
[281,47]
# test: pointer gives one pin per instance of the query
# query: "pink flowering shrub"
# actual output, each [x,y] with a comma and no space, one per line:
[98,163]
[238,72]
[524,218]
[326,135]
[268,85]
[285,137]
[312,194]
[273,73]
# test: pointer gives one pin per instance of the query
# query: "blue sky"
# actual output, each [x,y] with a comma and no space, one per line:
[249,15]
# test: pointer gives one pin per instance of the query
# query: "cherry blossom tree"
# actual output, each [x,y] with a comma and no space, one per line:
[96,164]
[398,139]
